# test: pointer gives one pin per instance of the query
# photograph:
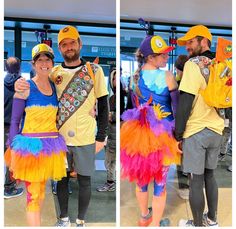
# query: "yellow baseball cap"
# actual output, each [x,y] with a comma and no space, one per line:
[197,30]
[154,45]
[42,48]
[68,32]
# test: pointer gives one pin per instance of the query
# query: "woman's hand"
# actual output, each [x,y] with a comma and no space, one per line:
[99,146]
[180,146]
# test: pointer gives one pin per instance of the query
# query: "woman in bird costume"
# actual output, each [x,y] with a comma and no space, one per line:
[147,144]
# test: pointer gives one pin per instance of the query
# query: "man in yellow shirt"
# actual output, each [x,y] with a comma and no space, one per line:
[199,128]
[77,90]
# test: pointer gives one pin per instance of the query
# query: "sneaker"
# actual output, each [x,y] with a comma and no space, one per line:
[165,222]
[54,187]
[186,223]
[80,223]
[229,168]
[144,221]
[13,193]
[63,222]
[221,157]
[107,187]
[184,193]
[229,152]
[208,222]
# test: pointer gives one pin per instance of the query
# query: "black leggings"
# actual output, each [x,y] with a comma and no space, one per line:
[196,195]
[83,196]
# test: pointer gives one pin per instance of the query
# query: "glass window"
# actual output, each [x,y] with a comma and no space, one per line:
[9,44]
[98,41]
[100,46]
[103,47]
[26,69]
[28,42]
[132,35]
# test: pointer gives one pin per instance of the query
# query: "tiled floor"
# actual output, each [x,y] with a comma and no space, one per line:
[176,208]
[14,210]
[102,208]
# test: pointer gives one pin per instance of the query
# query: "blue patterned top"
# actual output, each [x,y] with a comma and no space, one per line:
[36,98]
[40,111]
[153,83]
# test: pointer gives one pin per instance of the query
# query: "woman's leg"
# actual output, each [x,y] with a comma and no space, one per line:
[142,198]
[33,203]
[158,203]
[42,194]
[33,219]
[159,197]
[146,213]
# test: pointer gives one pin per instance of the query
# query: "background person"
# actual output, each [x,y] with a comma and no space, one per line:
[110,157]
[13,68]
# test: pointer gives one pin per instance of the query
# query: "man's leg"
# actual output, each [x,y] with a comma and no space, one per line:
[196,198]
[111,171]
[183,191]
[211,194]
[110,164]
[10,183]
[84,195]
[10,189]
[213,150]
[63,195]
[84,165]
[182,179]
[223,145]
[194,153]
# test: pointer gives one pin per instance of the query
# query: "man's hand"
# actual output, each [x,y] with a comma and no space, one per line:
[21,85]
[99,146]
[110,117]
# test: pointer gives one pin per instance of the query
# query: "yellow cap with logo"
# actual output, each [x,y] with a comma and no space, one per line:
[197,30]
[68,32]
[42,48]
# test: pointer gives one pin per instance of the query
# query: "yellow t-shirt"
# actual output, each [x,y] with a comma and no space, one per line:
[201,116]
[80,128]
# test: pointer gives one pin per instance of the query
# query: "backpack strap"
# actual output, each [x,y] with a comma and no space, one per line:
[90,71]
[203,63]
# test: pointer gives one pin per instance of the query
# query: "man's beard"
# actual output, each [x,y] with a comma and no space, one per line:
[70,59]
[196,52]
